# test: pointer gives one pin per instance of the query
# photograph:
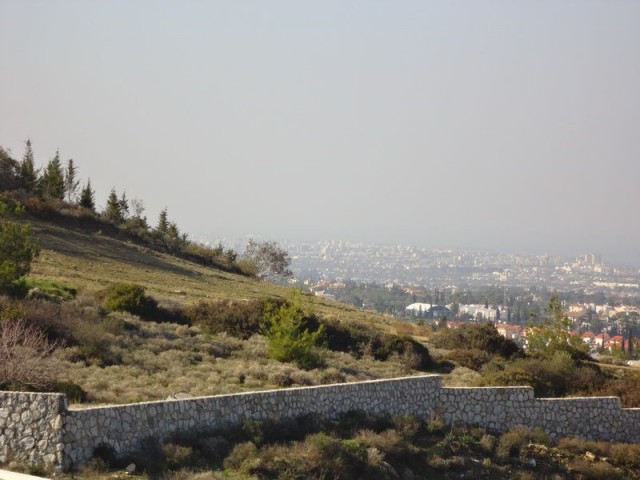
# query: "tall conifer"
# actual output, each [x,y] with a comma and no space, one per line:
[87,197]
[70,182]
[28,171]
[53,178]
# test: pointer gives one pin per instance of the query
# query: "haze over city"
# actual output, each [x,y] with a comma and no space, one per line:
[512,126]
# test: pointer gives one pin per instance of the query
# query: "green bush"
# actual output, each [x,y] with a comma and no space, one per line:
[16,253]
[288,338]
[129,297]
[483,337]
[472,358]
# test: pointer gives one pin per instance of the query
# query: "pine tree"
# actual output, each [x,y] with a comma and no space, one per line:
[124,205]
[70,182]
[53,179]
[28,172]
[113,209]
[163,223]
[87,197]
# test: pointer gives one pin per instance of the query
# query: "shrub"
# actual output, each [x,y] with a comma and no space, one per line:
[288,339]
[129,297]
[472,358]
[236,318]
[580,446]
[74,392]
[511,443]
[16,253]
[411,353]
[626,454]
[25,356]
[483,337]
[593,471]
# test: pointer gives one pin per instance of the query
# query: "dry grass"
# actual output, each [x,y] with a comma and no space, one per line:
[152,361]
[159,360]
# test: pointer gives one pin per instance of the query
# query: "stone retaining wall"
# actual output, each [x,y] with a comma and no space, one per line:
[31,427]
[38,428]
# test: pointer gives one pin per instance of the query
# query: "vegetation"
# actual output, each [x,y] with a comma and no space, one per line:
[129,297]
[17,251]
[356,446]
[288,338]
[263,259]
[118,311]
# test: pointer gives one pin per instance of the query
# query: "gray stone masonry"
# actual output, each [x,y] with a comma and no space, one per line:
[38,428]
[31,427]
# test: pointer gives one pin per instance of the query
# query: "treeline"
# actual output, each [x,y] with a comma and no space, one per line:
[55,190]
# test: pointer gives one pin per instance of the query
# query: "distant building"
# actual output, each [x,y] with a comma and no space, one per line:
[426,310]
[510,332]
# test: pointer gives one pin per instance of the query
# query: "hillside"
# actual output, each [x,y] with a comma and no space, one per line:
[117,357]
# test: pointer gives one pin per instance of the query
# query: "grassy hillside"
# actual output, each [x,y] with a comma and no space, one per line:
[118,357]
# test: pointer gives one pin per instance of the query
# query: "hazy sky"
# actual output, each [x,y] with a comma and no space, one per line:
[510,125]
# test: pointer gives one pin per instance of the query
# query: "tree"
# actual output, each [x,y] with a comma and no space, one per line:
[553,335]
[53,178]
[87,197]
[124,205]
[267,258]
[28,171]
[288,338]
[70,182]
[8,171]
[113,209]
[16,253]
[163,223]
[25,356]
[137,206]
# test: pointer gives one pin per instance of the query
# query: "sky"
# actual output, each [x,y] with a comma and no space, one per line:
[505,125]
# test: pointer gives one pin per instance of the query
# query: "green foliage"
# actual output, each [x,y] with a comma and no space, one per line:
[473,358]
[411,353]
[16,253]
[28,172]
[87,197]
[53,179]
[52,290]
[288,339]
[553,335]
[9,171]
[113,209]
[482,337]
[129,297]
[555,376]
[163,223]
[70,181]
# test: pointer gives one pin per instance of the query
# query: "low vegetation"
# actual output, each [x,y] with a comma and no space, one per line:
[356,446]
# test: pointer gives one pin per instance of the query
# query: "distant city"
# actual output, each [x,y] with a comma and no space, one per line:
[448,268]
